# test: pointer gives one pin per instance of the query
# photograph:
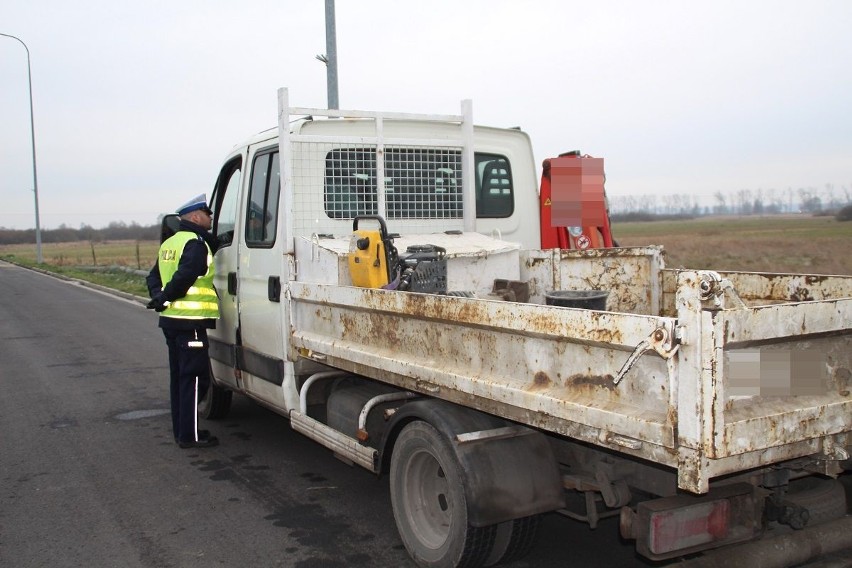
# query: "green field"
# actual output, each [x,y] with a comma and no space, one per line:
[815,245]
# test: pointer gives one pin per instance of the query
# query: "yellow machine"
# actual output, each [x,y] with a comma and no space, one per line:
[370,254]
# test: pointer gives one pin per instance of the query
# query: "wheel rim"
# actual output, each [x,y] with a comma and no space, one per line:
[428,503]
[204,404]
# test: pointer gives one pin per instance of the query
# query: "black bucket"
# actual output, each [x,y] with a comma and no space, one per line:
[585,299]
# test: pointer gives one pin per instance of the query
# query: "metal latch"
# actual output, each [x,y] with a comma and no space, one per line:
[713,286]
[661,340]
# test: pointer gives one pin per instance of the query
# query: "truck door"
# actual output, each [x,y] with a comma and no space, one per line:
[223,339]
[262,273]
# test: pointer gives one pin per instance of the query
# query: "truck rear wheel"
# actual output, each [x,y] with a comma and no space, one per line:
[825,499]
[429,503]
[513,540]
[216,403]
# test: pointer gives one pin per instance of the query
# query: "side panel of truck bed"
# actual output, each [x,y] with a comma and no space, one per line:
[548,367]
[684,399]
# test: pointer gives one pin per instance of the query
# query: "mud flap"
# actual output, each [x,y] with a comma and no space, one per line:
[509,471]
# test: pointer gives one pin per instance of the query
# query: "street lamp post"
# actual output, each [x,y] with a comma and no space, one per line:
[39,258]
[331,55]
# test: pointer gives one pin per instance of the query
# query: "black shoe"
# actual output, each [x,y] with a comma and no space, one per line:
[208,442]
[202,435]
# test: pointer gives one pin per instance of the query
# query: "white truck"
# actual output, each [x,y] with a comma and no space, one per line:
[701,407]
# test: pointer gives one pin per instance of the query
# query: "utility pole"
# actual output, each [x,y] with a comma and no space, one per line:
[331,55]
[39,257]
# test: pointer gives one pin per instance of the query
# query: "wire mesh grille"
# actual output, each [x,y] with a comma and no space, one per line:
[350,181]
[423,183]
[333,183]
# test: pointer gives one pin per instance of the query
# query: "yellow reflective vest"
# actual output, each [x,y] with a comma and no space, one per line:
[201,301]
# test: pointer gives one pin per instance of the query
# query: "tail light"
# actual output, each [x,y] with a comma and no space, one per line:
[673,526]
[686,527]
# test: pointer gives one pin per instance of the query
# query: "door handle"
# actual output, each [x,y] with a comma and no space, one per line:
[273,289]
[232,283]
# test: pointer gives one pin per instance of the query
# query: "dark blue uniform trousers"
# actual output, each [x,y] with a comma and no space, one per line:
[189,369]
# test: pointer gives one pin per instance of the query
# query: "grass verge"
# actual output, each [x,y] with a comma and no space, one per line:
[115,278]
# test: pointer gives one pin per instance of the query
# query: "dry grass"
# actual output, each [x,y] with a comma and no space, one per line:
[798,244]
[131,254]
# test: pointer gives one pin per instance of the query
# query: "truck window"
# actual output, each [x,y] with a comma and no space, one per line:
[262,210]
[224,202]
[494,191]
[420,183]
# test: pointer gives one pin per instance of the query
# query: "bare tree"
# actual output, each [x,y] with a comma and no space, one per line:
[809,200]
[744,201]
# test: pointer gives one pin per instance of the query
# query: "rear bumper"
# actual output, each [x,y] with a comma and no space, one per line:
[832,540]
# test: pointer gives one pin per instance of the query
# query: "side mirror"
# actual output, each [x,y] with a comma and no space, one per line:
[170,226]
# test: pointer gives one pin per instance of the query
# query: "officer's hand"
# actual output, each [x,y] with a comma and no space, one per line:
[157,303]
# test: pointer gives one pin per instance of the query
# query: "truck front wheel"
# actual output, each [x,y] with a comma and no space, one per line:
[429,503]
[216,402]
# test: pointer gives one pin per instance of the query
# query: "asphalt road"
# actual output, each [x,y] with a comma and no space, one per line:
[90,475]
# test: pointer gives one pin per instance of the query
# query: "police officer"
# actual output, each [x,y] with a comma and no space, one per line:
[181,288]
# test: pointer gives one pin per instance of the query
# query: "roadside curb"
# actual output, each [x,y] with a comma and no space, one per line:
[86,283]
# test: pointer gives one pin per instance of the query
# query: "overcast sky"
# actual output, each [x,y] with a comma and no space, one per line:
[136,103]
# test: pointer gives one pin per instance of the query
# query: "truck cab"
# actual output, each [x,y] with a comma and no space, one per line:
[337,168]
